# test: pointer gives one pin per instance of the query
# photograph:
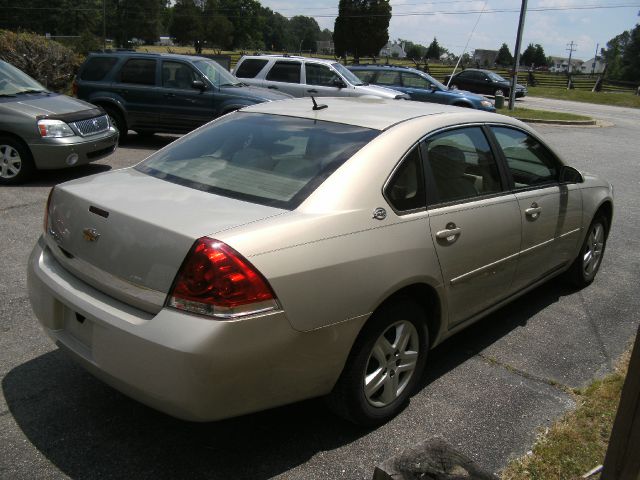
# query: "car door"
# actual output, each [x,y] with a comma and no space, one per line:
[285,76]
[136,85]
[320,81]
[420,89]
[474,221]
[184,107]
[550,212]
[464,81]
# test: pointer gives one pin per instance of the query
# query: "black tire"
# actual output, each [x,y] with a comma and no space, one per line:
[117,119]
[349,399]
[16,161]
[584,268]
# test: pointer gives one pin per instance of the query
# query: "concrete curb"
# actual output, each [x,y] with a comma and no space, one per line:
[559,122]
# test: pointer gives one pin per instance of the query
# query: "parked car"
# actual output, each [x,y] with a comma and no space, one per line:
[483,81]
[150,93]
[306,77]
[419,86]
[42,130]
[292,250]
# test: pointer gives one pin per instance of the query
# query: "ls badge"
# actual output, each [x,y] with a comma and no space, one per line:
[90,234]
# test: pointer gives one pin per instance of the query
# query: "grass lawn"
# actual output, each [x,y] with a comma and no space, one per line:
[603,98]
[576,443]
[527,114]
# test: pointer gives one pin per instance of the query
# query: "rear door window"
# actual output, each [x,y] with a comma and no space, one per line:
[288,72]
[250,67]
[97,68]
[388,78]
[140,71]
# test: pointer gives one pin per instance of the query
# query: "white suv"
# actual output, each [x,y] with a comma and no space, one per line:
[305,77]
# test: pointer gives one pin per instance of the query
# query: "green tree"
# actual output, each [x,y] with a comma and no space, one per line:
[528,56]
[187,26]
[504,57]
[623,55]
[249,22]
[434,51]
[217,29]
[631,56]
[361,27]
[539,58]
[306,32]
[277,32]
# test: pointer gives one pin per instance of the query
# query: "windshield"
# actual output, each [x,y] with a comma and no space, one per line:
[348,74]
[495,77]
[14,81]
[268,159]
[216,74]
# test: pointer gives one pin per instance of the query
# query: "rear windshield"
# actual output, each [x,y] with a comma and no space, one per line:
[267,159]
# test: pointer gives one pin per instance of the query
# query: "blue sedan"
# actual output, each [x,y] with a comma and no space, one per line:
[419,86]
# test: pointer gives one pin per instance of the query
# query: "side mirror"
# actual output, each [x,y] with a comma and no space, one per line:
[337,82]
[198,85]
[570,175]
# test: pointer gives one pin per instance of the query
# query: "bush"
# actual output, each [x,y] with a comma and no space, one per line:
[49,62]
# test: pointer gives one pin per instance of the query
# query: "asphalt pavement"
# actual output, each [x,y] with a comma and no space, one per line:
[488,391]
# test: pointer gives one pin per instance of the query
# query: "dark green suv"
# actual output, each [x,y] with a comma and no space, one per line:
[166,93]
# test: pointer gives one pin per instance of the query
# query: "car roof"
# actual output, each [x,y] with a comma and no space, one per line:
[127,53]
[291,57]
[375,113]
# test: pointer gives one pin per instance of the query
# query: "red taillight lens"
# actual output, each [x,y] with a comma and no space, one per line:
[216,280]
[46,211]
[74,89]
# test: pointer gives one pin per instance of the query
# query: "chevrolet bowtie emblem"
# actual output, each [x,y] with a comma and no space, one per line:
[90,234]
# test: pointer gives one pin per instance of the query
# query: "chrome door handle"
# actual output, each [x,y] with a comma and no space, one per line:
[533,212]
[450,233]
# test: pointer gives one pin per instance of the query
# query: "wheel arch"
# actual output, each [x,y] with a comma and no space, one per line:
[4,133]
[606,209]
[428,298]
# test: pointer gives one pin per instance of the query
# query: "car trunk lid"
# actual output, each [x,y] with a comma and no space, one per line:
[126,233]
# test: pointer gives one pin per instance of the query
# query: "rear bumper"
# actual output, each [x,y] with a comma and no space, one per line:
[190,367]
[52,153]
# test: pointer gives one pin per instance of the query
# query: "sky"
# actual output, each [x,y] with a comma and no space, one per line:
[552,23]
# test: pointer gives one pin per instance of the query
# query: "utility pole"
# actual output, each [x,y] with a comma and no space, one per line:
[570,49]
[595,60]
[514,76]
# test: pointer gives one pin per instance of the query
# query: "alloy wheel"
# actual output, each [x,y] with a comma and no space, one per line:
[391,364]
[594,247]
[10,162]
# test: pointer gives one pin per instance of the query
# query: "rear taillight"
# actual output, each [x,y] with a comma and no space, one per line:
[216,280]
[46,211]
[74,88]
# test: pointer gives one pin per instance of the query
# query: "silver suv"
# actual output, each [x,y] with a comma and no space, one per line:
[305,77]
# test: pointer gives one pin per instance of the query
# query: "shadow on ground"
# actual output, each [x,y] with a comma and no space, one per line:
[89,430]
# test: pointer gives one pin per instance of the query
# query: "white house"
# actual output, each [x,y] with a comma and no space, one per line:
[393,50]
[561,64]
[593,65]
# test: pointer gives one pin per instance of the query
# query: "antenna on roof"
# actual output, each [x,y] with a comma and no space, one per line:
[315,105]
